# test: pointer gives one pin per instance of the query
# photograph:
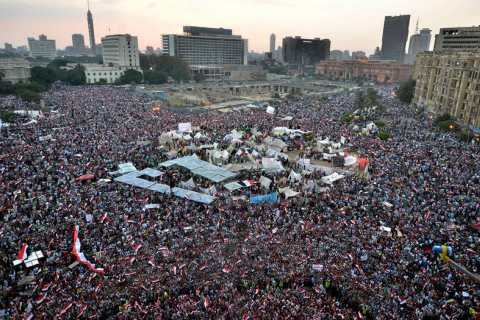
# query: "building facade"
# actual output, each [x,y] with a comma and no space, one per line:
[15,70]
[336,55]
[272,42]
[457,39]
[381,71]
[207,46]
[121,50]
[9,48]
[42,47]
[299,54]
[394,38]
[449,83]
[418,43]
[78,43]
[91,31]
[358,55]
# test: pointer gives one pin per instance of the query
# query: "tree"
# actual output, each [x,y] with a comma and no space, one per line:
[76,76]
[32,86]
[57,63]
[275,95]
[2,75]
[6,87]
[383,135]
[43,75]
[29,96]
[387,78]
[129,76]
[443,117]
[198,77]
[372,94]
[406,91]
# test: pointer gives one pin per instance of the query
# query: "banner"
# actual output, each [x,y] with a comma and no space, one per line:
[187,126]
[45,138]
[272,197]
[318,267]
[269,163]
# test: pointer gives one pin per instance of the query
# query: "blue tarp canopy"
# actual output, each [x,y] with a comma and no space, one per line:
[151,172]
[162,188]
[200,168]
[192,195]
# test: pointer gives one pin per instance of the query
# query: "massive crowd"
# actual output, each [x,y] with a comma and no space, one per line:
[233,259]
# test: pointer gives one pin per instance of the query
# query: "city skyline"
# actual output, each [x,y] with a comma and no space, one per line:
[341,23]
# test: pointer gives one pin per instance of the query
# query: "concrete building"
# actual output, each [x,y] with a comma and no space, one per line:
[9,48]
[336,55]
[15,70]
[121,50]
[457,39]
[95,72]
[279,53]
[91,31]
[149,50]
[380,70]
[272,42]
[346,55]
[42,47]
[207,46]
[301,55]
[450,83]
[358,55]
[394,38]
[78,43]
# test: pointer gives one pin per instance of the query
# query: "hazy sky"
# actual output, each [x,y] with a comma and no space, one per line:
[349,24]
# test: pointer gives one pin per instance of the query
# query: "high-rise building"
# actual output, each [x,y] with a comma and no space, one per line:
[272,42]
[420,42]
[299,53]
[9,48]
[358,55]
[346,55]
[121,50]
[42,47]
[78,43]
[450,83]
[457,39]
[207,46]
[279,53]
[149,50]
[336,55]
[394,39]
[91,32]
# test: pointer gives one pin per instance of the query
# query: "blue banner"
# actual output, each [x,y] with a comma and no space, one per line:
[272,197]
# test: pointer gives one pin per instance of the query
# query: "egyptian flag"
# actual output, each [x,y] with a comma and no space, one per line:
[41,298]
[80,256]
[138,246]
[29,316]
[103,218]
[46,287]
[206,303]
[81,310]
[472,252]
[96,289]
[247,183]
[23,253]
[203,267]
[150,261]
[182,265]
[226,270]
[174,270]
[168,215]
[68,306]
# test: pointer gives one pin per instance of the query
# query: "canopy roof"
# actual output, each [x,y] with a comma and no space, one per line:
[200,168]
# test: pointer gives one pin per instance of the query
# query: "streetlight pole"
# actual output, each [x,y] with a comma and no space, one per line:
[445,252]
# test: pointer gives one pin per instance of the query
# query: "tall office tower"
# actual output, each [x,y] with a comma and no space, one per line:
[78,43]
[207,46]
[457,39]
[272,42]
[121,50]
[279,53]
[346,55]
[9,48]
[419,42]
[42,47]
[394,39]
[298,51]
[91,32]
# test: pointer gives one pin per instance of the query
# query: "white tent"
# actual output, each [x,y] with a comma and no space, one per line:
[277,145]
[265,182]
[289,192]
[350,161]
[281,130]
[295,176]
[332,178]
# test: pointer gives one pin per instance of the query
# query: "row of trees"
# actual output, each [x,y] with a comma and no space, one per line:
[157,69]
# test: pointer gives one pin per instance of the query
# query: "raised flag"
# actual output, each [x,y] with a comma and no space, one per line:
[226,270]
[96,289]
[138,246]
[79,255]
[41,298]
[103,218]
[206,303]
[22,255]
[182,265]
[29,316]
[472,252]
[82,310]
[64,309]
[150,261]
[46,287]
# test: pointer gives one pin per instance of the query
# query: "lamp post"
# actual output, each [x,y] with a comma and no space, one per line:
[445,252]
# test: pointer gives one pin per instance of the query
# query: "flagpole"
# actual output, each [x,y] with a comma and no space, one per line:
[447,251]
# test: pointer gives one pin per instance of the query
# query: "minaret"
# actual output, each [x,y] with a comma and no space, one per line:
[91,33]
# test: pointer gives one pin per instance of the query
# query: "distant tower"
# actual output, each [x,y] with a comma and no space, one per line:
[272,43]
[91,33]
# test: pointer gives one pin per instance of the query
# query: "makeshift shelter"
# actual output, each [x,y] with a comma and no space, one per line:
[289,192]
[332,178]
[295,176]
[124,168]
[200,168]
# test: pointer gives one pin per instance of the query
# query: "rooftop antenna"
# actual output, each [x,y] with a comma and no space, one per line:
[416,28]
[88,4]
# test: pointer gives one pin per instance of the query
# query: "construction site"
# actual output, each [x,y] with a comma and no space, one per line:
[223,95]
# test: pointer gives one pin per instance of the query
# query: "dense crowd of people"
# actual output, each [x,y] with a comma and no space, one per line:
[233,259]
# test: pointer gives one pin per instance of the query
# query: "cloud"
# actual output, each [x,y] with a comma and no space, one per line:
[152,5]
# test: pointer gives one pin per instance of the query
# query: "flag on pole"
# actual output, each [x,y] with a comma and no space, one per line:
[138,246]
[22,255]
[64,309]
[41,298]
[81,310]
[80,256]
